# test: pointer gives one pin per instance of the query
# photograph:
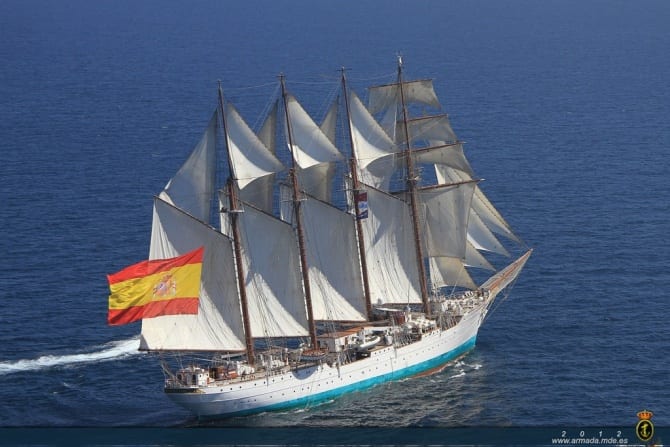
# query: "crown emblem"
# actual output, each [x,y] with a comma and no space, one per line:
[166,287]
[645,415]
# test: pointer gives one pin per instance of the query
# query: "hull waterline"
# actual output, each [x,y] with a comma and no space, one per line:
[322,382]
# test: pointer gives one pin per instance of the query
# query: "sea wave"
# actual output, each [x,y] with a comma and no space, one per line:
[109,351]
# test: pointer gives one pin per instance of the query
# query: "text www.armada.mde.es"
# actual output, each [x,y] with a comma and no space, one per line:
[589,441]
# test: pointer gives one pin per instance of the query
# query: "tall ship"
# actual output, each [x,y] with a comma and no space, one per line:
[321,273]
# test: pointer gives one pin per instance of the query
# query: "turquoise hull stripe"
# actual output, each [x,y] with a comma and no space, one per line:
[395,375]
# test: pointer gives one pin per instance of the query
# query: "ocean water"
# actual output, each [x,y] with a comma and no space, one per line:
[564,106]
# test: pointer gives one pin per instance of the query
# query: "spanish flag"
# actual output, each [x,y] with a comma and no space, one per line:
[154,288]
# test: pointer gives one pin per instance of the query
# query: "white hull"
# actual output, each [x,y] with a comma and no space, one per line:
[310,385]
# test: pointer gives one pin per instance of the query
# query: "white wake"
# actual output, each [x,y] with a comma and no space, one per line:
[109,351]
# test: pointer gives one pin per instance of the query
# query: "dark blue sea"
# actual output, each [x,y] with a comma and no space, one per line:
[565,108]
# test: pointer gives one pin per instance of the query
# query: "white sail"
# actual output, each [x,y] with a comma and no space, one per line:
[379,173]
[249,157]
[444,154]
[480,203]
[385,101]
[475,259]
[192,187]
[447,271]
[370,141]
[218,323]
[317,180]
[268,132]
[482,238]
[490,215]
[373,148]
[427,128]
[259,192]
[447,209]
[272,276]
[332,257]
[329,123]
[389,250]
[310,146]
[387,96]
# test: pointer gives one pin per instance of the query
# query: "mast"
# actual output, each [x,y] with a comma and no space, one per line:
[299,224]
[412,180]
[234,215]
[356,189]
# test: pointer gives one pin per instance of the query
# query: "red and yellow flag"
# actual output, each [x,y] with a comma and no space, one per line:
[154,288]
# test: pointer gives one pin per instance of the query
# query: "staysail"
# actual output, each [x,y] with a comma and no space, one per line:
[192,187]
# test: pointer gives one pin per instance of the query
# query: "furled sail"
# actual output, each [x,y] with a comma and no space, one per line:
[218,323]
[389,250]
[192,187]
[310,146]
[332,257]
[507,275]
